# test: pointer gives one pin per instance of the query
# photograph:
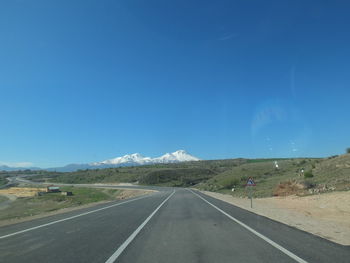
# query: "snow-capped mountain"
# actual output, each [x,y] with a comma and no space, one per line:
[130,160]
[175,157]
[138,159]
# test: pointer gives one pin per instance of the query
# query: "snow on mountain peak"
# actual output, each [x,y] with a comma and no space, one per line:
[138,159]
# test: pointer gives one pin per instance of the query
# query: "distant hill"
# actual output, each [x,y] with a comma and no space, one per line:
[135,159]
[168,174]
[8,168]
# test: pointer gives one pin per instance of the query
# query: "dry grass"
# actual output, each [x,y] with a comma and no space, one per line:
[289,188]
[334,172]
[22,191]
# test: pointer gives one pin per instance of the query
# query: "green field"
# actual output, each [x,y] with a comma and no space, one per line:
[30,206]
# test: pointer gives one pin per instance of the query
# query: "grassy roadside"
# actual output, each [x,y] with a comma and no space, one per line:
[31,206]
[321,176]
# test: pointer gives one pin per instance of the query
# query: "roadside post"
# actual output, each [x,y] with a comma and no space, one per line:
[250,184]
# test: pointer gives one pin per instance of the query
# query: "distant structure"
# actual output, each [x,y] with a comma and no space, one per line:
[276,165]
[53,189]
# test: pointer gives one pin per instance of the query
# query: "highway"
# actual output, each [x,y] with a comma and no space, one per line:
[172,225]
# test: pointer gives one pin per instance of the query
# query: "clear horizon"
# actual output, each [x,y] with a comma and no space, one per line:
[88,81]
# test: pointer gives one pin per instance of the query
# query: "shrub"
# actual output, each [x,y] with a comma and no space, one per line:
[230,183]
[244,178]
[308,174]
[302,162]
[333,156]
[309,184]
[288,188]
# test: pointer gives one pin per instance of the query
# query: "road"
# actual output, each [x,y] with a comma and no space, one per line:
[11,182]
[173,225]
[16,180]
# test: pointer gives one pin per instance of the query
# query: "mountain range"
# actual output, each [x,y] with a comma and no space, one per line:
[9,168]
[135,159]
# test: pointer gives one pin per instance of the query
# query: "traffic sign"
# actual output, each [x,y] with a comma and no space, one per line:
[250,182]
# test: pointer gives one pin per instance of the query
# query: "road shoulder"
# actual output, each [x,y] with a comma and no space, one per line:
[313,214]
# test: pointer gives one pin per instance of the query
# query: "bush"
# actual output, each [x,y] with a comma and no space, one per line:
[230,183]
[308,174]
[309,184]
[244,178]
[302,162]
[288,188]
[177,177]
[333,156]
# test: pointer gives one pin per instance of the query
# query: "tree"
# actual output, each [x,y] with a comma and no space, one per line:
[348,150]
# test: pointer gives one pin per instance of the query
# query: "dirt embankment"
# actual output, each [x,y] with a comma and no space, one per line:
[326,215]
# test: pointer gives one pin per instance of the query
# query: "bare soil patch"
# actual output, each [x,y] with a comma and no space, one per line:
[22,191]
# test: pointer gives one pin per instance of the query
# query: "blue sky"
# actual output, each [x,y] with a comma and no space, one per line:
[84,81]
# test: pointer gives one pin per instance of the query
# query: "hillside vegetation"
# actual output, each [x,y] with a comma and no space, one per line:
[320,175]
[180,174]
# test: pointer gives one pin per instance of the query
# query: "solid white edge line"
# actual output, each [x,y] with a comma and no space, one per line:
[69,218]
[274,244]
[123,246]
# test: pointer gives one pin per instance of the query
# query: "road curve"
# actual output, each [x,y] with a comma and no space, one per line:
[174,225]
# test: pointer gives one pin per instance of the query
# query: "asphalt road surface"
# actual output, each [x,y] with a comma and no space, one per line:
[173,225]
